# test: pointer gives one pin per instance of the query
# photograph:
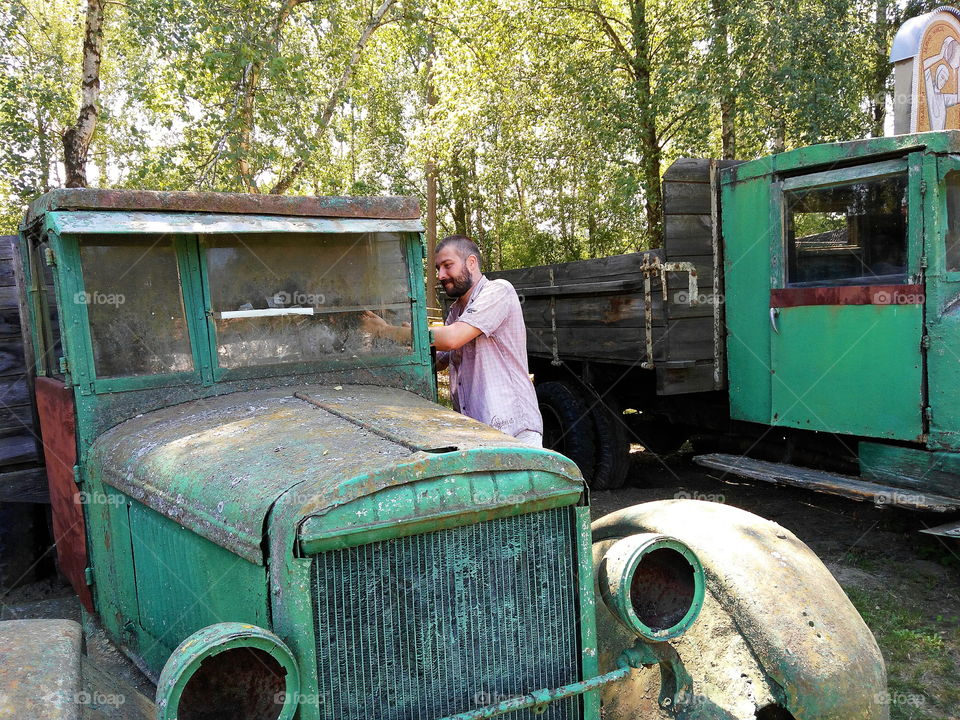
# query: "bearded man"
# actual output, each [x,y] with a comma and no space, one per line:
[483,343]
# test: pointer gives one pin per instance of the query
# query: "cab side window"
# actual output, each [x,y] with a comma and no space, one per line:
[135,305]
[952,236]
[853,233]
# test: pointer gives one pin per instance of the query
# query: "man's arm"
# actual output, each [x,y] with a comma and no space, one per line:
[445,337]
[455,336]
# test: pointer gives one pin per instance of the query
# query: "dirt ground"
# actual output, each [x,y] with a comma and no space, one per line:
[905,584]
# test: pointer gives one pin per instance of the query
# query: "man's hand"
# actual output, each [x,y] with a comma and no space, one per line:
[372,323]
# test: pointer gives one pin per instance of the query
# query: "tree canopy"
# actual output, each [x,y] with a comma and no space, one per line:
[548,122]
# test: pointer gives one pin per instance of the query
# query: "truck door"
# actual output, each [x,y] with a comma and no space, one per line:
[943,303]
[846,301]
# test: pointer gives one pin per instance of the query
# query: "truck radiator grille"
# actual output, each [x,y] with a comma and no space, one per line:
[433,625]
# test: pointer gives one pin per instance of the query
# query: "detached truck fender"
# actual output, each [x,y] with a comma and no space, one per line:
[777,632]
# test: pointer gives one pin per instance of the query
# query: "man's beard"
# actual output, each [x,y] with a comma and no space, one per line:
[459,286]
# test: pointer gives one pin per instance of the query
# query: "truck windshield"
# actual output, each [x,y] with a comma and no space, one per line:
[299,298]
[849,234]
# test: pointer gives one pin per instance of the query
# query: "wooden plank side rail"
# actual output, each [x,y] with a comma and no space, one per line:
[22,476]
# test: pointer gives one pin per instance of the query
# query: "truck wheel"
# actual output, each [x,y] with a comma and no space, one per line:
[567,424]
[613,448]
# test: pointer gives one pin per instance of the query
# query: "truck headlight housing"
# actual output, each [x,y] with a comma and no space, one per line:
[233,668]
[653,584]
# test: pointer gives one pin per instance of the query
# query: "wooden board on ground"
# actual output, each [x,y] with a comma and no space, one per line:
[827,482]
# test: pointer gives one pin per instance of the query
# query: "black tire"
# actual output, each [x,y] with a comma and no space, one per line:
[613,448]
[567,424]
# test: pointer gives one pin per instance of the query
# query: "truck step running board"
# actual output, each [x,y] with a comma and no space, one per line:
[827,482]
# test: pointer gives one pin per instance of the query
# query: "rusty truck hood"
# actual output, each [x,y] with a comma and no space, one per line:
[218,465]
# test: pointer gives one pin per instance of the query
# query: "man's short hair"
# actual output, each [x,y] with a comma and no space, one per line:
[464,245]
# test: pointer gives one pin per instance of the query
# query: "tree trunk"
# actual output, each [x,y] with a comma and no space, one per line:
[458,187]
[430,172]
[251,78]
[77,138]
[43,152]
[878,81]
[375,21]
[649,142]
[725,78]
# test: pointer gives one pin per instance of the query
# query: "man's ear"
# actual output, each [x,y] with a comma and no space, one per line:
[473,264]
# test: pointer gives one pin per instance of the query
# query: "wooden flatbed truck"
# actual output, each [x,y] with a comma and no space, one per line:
[818,346]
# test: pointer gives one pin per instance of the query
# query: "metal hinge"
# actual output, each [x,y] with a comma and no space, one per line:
[923,187]
[77,475]
[63,365]
[49,257]
[928,413]
[88,575]
[925,342]
[923,262]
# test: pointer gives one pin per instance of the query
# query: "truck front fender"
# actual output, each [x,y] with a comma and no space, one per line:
[777,633]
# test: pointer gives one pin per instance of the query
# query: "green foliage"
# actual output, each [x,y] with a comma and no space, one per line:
[548,124]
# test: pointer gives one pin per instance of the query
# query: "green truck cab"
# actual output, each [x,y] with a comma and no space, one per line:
[268,512]
[842,272]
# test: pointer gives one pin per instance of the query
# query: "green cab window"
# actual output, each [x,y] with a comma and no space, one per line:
[952,236]
[135,306]
[853,233]
[284,298]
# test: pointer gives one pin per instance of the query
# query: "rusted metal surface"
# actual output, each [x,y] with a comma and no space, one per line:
[230,665]
[218,465]
[776,627]
[58,422]
[852,295]
[40,675]
[142,200]
[539,699]
[653,265]
[216,223]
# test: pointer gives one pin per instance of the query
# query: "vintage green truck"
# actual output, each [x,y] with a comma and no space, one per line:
[269,513]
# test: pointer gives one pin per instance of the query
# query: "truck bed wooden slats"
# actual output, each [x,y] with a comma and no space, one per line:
[21,477]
